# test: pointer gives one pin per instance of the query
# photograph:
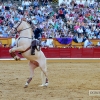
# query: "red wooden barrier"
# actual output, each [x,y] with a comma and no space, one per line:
[4,53]
[62,52]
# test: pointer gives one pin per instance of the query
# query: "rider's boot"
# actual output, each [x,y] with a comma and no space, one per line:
[33,50]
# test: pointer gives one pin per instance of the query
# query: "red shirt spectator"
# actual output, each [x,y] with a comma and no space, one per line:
[1,21]
[99,24]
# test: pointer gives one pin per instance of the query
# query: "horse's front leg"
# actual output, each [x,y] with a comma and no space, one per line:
[13,50]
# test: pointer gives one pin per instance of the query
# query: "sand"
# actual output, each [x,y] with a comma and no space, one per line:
[67,81]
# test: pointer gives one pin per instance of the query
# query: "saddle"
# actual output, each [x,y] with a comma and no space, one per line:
[35,44]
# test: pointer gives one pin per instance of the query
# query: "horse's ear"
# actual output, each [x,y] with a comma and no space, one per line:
[23,19]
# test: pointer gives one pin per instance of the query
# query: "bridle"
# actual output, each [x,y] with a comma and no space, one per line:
[19,25]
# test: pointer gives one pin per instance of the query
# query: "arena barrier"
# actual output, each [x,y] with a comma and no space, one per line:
[60,52]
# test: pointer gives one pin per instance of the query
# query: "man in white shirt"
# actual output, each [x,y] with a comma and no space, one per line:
[64,2]
[80,30]
[88,43]
[98,43]
[44,43]
[47,43]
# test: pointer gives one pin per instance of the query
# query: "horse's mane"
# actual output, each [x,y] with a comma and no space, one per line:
[30,26]
[27,22]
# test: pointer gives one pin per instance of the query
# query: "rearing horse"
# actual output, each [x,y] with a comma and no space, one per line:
[23,45]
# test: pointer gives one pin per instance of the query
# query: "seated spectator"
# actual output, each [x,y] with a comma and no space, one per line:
[91,4]
[90,36]
[60,12]
[45,2]
[81,4]
[50,42]
[80,38]
[86,4]
[47,43]
[80,30]
[98,43]
[0,44]
[88,30]
[13,42]
[34,20]
[98,36]
[94,36]
[98,24]
[76,27]
[68,2]
[1,35]
[35,3]
[1,21]
[5,34]
[64,2]
[97,31]
[88,43]
[44,43]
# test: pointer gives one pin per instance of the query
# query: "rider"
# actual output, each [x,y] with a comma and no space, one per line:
[37,36]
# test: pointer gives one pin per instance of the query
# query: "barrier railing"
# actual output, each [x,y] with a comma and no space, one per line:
[61,52]
[8,42]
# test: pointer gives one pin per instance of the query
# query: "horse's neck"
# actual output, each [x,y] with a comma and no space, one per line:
[26,31]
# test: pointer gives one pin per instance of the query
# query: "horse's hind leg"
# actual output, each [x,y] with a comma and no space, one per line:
[44,75]
[31,68]
[44,79]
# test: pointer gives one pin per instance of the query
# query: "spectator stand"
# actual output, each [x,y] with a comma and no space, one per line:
[55,26]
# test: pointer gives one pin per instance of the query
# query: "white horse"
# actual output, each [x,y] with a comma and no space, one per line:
[23,45]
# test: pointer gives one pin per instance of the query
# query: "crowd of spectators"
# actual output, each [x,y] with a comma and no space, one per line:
[82,19]
[71,20]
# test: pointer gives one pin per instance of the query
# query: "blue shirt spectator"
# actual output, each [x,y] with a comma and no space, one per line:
[5,34]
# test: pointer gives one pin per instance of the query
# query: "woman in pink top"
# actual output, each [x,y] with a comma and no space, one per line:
[76,26]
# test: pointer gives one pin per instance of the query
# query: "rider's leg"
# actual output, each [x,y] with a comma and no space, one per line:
[33,50]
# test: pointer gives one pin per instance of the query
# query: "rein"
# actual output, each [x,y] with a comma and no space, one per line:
[25,50]
[24,37]
[23,29]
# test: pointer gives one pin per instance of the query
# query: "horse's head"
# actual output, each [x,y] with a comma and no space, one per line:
[21,25]
[18,26]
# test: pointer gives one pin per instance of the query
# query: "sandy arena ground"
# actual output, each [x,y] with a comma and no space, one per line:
[68,81]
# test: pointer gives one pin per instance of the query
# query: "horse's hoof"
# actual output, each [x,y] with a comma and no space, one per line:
[41,85]
[25,86]
[45,85]
[17,58]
